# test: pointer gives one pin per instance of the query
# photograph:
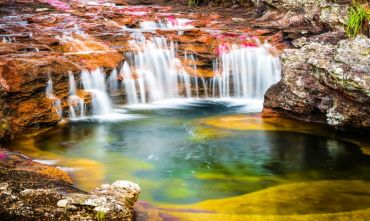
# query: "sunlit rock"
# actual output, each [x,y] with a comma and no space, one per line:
[325,82]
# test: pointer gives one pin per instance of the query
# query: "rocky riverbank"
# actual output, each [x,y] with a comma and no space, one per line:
[33,191]
[326,77]
[325,80]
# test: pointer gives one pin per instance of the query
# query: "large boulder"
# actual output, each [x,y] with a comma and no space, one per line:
[304,17]
[324,81]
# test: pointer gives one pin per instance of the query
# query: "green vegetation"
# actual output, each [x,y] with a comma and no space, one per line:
[100,215]
[194,2]
[358,19]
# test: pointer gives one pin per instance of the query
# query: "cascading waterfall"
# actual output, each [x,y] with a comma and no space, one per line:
[94,82]
[76,103]
[245,72]
[152,72]
[113,82]
[50,94]
[168,23]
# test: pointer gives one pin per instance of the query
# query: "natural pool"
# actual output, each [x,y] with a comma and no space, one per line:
[190,152]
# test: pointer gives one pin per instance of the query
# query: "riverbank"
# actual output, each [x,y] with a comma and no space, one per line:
[33,191]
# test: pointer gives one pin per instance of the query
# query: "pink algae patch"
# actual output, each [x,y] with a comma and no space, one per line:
[226,47]
[172,20]
[3,156]
[57,4]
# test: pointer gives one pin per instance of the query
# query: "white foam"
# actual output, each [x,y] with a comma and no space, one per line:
[246,105]
[67,169]
[46,162]
[112,117]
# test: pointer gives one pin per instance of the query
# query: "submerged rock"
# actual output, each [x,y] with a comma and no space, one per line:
[324,82]
[309,201]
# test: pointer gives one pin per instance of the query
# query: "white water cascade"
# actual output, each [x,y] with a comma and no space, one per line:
[113,82]
[167,24]
[76,103]
[94,83]
[50,94]
[245,72]
[153,72]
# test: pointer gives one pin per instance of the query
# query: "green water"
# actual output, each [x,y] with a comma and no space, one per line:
[171,155]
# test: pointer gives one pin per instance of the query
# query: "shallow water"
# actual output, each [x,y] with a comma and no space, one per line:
[185,154]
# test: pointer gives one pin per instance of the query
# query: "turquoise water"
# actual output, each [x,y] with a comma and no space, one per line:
[176,158]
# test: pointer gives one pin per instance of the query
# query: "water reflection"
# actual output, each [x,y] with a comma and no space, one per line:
[167,154]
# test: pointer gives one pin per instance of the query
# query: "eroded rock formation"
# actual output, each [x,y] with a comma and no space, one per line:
[33,191]
[325,81]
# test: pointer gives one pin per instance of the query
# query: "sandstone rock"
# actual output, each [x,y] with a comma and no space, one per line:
[238,20]
[305,16]
[26,195]
[327,83]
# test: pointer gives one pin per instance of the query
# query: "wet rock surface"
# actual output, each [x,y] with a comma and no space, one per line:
[325,82]
[32,191]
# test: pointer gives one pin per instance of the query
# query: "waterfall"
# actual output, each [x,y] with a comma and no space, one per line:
[76,103]
[129,84]
[152,71]
[113,82]
[50,94]
[170,23]
[94,82]
[245,72]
